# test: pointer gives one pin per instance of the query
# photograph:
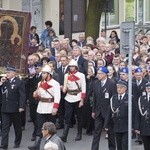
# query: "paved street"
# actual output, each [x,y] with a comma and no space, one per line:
[84,144]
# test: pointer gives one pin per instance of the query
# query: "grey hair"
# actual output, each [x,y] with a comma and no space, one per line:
[50,127]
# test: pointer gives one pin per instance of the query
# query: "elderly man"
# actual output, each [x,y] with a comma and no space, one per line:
[79,59]
[103,89]
[143,118]
[119,112]
[108,54]
[52,140]
[13,103]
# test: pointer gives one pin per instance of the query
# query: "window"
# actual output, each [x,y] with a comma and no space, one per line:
[0,3]
[129,10]
[36,9]
[147,12]
[142,11]
[112,18]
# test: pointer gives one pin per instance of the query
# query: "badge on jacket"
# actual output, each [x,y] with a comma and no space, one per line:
[143,93]
[12,86]
[106,95]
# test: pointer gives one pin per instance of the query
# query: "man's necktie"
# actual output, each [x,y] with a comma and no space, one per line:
[37,75]
[63,70]
[120,98]
[138,82]
[102,83]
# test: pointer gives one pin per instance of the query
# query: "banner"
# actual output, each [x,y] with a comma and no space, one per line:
[14,38]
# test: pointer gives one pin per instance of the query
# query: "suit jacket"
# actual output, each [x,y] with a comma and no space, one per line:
[31,86]
[81,44]
[120,117]
[81,64]
[13,96]
[56,77]
[54,138]
[61,77]
[140,90]
[142,122]
[61,74]
[102,96]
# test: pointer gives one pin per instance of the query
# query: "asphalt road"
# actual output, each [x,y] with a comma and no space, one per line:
[84,144]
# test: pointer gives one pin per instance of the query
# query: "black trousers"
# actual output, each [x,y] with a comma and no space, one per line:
[98,126]
[7,120]
[33,113]
[71,108]
[146,142]
[0,117]
[122,141]
[23,118]
[41,119]
[61,111]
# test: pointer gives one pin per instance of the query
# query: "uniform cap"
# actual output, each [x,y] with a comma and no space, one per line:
[103,69]
[73,63]
[38,64]
[11,69]
[122,82]
[47,69]
[124,70]
[138,70]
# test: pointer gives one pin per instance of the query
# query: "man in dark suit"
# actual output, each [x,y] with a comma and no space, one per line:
[79,59]
[13,103]
[118,110]
[54,74]
[142,123]
[140,84]
[31,86]
[62,71]
[103,90]
[81,41]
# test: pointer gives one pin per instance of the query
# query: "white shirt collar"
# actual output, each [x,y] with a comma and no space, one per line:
[11,79]
[104,81]
[122,96]
[76,58]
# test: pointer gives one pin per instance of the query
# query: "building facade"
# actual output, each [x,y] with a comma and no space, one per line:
[128,10]
[42,10]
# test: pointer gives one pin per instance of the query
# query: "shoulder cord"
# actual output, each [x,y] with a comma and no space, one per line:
[139,104]
[114,111]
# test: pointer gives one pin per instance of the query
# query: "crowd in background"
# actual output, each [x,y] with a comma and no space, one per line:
[90,55]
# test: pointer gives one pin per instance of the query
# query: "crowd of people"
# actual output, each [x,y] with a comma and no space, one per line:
[82,82]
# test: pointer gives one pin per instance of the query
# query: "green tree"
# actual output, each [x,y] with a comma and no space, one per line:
[93,16]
